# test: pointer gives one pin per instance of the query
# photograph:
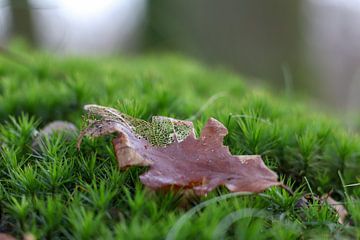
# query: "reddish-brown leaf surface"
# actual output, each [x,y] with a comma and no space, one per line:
[4,236]
[201,164]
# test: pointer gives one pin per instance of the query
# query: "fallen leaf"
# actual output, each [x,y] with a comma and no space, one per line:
[176,158]
[68,130]
[57,127]
[338,207]
[4,236]
[27,236]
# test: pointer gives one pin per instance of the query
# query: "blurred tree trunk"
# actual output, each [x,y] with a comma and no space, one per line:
[256,37]
[21,20]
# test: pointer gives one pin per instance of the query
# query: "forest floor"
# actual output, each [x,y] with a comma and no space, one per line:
[57,191]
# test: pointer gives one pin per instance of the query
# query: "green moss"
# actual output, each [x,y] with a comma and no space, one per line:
[58,192]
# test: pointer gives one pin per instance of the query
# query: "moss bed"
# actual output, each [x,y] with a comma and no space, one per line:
[59,192]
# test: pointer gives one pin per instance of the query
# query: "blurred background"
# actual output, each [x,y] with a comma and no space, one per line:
[308,46]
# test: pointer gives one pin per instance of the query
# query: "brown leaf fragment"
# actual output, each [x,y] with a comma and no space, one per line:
[4,236]
[326,199]
[68,129]
[338,207]
[186,162]
[27,236]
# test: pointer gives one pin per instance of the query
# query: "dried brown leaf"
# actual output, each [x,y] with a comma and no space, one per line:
[175,156]
[27,236]
[4,236]
[338,207]
[68,129]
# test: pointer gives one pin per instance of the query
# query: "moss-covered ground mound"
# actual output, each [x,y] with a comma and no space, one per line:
[59,192]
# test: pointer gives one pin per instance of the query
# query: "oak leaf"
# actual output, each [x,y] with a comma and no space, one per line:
[176,158]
